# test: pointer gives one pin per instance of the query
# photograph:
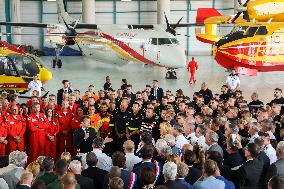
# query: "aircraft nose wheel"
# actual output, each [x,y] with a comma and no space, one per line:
[56,62]
[171,74]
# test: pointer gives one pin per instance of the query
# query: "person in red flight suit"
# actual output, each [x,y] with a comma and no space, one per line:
[37,126]
[51,136]
[192,67]
[3,137]
[64,138]
[14,101]
[44,104]
[72,105]
[16,128]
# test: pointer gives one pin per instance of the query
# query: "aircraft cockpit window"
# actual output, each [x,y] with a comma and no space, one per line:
[6,67]
[251,31]
[261,31]
[26,66]
[164,41]
[239,29]
[174,41]
[154,41]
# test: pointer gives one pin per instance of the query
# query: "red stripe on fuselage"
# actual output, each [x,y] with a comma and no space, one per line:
[125,47]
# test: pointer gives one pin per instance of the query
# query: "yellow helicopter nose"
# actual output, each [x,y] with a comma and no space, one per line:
[45,75]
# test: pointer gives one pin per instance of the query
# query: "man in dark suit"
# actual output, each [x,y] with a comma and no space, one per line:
[25,181]
[47,166]
[84,136]
[129,178]
[248,175]
[85,183]
[277,168]
[170,173]
[94,172]
[234,158]
[147,154]
[156,91]
[194,173]
[66,89]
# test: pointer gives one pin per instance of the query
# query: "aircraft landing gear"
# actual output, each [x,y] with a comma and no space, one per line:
[57,61]
[171,74]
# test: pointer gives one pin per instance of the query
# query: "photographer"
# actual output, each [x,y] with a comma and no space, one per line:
[233,81]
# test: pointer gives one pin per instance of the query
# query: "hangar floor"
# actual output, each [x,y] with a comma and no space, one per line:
[82,71]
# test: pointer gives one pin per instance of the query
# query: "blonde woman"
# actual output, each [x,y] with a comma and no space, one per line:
[165,128]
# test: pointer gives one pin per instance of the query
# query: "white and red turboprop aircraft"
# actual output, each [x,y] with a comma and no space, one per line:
[118,44]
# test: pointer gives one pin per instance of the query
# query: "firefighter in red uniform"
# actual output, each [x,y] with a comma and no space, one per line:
[16,128]
[192,67]
[72,105]
[3,137]
[51,136]
[64,138]
[37,125]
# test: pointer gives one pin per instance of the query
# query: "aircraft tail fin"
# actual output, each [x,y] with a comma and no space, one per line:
[204,13]
[63,14]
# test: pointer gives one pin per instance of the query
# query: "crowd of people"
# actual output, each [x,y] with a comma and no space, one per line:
[150,139]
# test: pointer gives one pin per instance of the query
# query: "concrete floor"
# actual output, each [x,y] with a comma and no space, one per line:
[82,71]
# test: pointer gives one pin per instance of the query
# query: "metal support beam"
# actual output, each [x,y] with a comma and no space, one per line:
[139,11]
[8,19]
[114,11]
[188,8]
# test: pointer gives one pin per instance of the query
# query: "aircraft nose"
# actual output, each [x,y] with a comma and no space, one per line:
[45,75]
[175,59]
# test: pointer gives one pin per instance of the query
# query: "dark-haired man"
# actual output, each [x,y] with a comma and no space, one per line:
[66,88]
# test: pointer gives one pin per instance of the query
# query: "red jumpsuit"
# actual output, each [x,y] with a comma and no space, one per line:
[16,126]
[65,132]
[73,108]
[192,67]
[52,130]
[3,133]
[37,126]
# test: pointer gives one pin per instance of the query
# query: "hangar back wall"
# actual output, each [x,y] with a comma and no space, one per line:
[117,12]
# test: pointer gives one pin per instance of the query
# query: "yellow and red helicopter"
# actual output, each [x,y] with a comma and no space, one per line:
[256,42]
[17,69]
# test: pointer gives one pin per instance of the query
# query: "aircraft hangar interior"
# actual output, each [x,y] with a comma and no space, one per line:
[202,80]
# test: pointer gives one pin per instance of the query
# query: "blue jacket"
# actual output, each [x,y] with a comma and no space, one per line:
[228,184]
[183,182]
[129,180]
[209,183]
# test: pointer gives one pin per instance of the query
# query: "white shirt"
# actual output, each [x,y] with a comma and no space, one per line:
[180,141]
[271,135]
[131,160]
[35,86]
[253,137]
[201,142]
[104,161]
[271,153]
[192,139]
[233,82]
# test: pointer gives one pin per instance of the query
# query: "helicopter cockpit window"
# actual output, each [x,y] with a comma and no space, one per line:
[251,31]
[6,67]
[261,31]
[164,41]
[26,66]
[239,29]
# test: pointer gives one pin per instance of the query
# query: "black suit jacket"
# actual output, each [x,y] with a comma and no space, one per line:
[84,182]
[160,94]
[248,175]
[97,175]
[193,175]
[234,160]
[173,184]
[276,168]
[60,95]
[85,146]
[22,187]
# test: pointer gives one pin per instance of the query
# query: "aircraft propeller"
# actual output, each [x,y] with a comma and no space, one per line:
[243,11]
[172,28]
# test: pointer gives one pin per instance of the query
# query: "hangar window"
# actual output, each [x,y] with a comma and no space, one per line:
[251,31]
[261,31]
